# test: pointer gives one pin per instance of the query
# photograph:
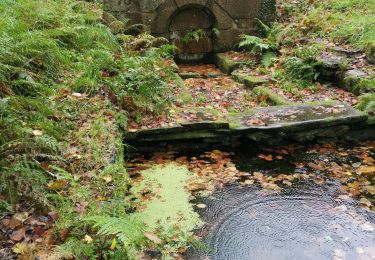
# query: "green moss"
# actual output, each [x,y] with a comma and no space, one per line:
[248,80]
[225,64]
[273,97]
[117,27]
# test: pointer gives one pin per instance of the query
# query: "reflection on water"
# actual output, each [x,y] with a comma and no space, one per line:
[306,221]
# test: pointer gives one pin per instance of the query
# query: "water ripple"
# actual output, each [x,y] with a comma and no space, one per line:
[299,223]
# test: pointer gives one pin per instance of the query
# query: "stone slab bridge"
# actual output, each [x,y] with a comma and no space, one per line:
[300,123]
[221,21]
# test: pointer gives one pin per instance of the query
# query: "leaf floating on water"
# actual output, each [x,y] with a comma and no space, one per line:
[201,206]
[267,157]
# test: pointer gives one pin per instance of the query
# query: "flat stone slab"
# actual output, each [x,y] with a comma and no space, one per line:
[282,119]
[301,117]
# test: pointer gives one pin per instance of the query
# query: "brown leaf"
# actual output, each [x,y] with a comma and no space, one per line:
[64,233]
[367,169]
[154,238]
[267,157]
[255,121]
[18,235]
[81,207]
[54,215]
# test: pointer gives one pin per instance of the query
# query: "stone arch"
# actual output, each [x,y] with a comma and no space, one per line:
[186,20]
[175,18]
[167,10]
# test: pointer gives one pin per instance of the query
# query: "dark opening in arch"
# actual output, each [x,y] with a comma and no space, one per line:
[191,29]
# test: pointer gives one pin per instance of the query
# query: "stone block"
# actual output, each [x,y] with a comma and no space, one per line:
[249,80]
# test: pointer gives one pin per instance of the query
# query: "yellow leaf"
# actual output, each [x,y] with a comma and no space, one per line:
[37,133]
[113,245]
[19,248]
[57,185]
[367,169]
[21,216]
[107,179]
[88,239]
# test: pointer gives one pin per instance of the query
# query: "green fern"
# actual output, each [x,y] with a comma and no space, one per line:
[126,229]
[253,44]
[193,35]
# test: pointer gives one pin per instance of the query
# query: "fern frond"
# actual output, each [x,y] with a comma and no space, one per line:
[252,43]
[127,229]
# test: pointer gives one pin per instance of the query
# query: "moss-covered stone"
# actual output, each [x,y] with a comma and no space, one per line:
[117,27]
[159,42]
[330,66]
[135,29]
[225,64]
[272,96]
[108,18]
[371,53]
[249,80]
[358,82]
[190,75]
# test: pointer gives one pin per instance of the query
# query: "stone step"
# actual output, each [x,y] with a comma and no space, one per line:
[304,122]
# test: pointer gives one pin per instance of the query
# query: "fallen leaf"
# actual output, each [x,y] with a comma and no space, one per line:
[19,248]
[75,94]
[154,238]
[37,133]
[107,179]
[18,235]
[21,216]
[88,239]
[113,244]
[367,169]
[54,215]
[57,185]
[267,157]
[64,233]
[365,202]
[249,182]
[201,206]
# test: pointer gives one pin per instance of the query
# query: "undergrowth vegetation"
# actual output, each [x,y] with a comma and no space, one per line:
[304,30]
[66,84]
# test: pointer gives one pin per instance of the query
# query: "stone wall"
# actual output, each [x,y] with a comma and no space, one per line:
[222,20]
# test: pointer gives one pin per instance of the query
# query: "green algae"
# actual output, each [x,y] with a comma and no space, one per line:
[169,206]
